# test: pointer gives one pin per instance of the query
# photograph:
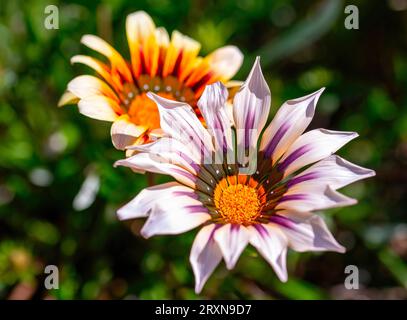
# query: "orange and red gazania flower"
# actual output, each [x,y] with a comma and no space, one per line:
[168,67]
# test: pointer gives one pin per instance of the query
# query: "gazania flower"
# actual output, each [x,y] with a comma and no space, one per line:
[170,68]
[269,204]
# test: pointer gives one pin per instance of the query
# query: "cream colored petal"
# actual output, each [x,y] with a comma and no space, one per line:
[124,132]
[163,39]
[87,86]
[226,61]
[98,107]
[67,98]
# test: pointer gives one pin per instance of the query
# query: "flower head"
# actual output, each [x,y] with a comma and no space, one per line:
[168,67]
[244,187]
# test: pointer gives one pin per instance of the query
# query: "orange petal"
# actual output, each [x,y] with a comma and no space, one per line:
[97,65]
[139,28]
[180,44]
[107,50]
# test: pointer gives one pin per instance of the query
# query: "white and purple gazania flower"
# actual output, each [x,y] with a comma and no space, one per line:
[242,186]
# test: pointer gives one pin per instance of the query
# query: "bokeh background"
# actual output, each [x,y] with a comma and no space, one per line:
[59,191]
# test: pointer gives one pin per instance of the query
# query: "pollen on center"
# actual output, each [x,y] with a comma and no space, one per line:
[237,202]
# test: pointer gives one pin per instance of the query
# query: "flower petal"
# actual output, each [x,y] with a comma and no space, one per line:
[313,146]
[173,151]
[96,65]
[333,171]
[288,124]
[306,232]
[214,110]
[124,132]
[140,28]
[99,107]
[225,61]
[179,121]
[145,201]
[179,215]
[232,239]
[272,245]
[116,60]
[181,51]
[315,198]
[251,107]
[205,255]
[158,164]
[67,98]
[86,86]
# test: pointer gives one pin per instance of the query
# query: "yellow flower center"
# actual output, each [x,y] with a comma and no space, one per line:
[238,200]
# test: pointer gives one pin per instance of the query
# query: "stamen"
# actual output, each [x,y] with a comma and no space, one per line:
[237,201]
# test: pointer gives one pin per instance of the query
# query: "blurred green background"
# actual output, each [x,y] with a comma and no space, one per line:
[59,191]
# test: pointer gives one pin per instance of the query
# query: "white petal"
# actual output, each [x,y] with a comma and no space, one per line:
[67,98]
[272,245]
[179,121]
[144,202]
[226,61]
[179,215]
[86,86]
[288,124]
[251,107]
[306,232]
[205,256]
[163,39]
[315,198]
[214,110]
[124,132]
[158,164]
[173,151]
[232,239]
[313,146]
[333,171]
[98,107]
[139,26]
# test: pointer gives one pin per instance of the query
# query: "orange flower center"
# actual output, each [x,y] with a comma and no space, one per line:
[143,111]
[238,200]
